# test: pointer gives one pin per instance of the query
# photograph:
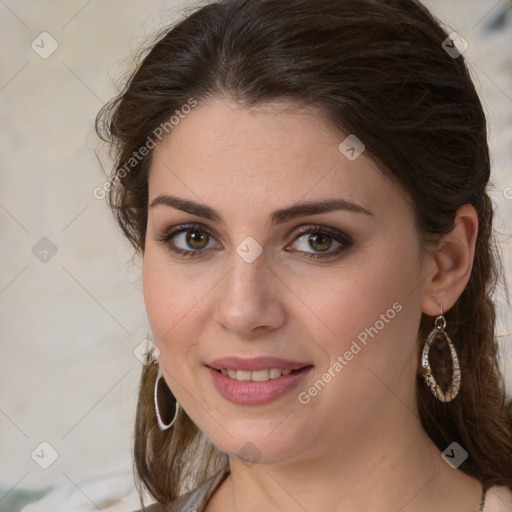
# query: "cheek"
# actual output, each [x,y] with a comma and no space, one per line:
[372,313]
[164,296]
[173,298]
[369,311]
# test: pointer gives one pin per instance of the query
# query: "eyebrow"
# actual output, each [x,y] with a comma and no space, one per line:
[277,217]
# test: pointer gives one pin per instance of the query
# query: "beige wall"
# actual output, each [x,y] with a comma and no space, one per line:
[69,325]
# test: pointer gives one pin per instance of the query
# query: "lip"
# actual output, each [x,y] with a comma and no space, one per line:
[248,392]
[253,364]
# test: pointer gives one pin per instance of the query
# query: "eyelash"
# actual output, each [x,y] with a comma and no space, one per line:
[340,237]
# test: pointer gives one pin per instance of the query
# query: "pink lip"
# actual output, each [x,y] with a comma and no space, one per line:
[255,363]
[249,392]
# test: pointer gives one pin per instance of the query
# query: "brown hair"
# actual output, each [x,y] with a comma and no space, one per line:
[375,69]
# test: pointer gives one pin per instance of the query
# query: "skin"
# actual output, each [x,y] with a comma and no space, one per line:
[358,444]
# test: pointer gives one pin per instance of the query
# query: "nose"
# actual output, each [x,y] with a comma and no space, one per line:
[250,299]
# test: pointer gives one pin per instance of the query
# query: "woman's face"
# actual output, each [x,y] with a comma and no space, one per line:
[334,294]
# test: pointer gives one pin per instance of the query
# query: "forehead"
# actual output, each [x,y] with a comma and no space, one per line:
[228,155]
[225,129]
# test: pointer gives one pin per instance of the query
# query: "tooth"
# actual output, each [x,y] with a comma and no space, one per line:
[260,375]
[274,373]
[257,375]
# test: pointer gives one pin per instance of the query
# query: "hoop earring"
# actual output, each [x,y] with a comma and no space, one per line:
[453,390]
[161,424]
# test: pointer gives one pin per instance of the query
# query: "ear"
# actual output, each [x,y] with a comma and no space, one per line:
[450,263]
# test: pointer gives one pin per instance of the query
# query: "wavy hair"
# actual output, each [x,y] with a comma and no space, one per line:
[373,68]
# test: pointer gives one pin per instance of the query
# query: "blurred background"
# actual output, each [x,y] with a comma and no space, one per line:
[72,315]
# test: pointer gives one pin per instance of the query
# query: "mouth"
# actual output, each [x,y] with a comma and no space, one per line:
[255,364]
[258,380]
[258,375]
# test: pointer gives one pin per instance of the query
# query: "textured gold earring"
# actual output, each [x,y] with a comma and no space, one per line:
[453,390]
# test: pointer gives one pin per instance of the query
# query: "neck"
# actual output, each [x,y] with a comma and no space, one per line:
[385,469]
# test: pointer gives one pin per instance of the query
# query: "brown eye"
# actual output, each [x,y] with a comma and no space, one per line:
[321,239]
[196,239]
[320,243]
[193,241]
[187,241]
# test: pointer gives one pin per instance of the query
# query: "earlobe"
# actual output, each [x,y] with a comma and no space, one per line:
[452,262]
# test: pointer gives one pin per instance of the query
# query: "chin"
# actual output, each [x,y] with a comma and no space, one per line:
[258,446]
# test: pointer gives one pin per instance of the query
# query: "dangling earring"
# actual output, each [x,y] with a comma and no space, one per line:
[453,390]
[161,424]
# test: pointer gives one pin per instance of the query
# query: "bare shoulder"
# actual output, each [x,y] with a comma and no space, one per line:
[498,499]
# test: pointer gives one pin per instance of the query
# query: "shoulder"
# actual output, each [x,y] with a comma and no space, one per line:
[194,500]
[498,499]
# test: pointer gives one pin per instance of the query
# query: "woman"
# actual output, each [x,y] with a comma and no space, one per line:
[306,181]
